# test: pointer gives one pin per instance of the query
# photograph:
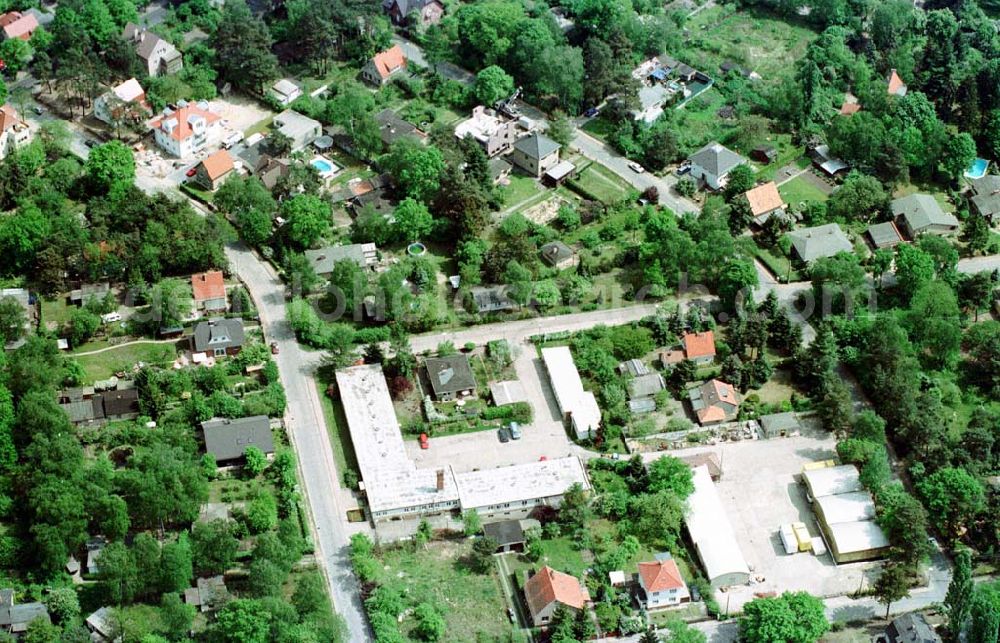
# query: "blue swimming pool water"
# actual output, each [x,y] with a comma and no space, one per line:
[978,169]
[322,165]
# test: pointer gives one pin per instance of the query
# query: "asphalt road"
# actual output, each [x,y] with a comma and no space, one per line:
[307,432]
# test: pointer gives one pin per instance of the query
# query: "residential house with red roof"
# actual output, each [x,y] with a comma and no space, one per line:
[765,202]
[384,65]
[699,347]
[548,589]
[14,132]
[187,130]
[714,402]
[214,170]
[662,583]
[18,25]
[896,85]
[209,290]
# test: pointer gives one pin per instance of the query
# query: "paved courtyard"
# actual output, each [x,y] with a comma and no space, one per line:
[545,436]
[760,491]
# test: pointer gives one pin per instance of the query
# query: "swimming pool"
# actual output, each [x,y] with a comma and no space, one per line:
[322,165]
[978,169]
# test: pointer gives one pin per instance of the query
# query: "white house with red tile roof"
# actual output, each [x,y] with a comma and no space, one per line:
[209,290]
[765,202]
[14,131]
[187,130]
[548,589]
[383,65]
[663,584]
[18,25]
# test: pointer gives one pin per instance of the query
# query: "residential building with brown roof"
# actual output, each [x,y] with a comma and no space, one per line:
[160,57]
[384,65]
[209,290]
[14,131]
[214,170]
[714,402]
[896,85]
[765,202]
[548,589]
[662,583]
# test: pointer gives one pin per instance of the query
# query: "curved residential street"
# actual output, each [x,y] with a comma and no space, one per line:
[308,434]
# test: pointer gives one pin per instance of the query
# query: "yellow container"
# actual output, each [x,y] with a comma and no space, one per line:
[802,536]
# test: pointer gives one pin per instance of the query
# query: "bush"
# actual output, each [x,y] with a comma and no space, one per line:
[519,412]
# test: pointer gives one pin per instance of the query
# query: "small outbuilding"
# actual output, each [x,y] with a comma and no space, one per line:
[558,255]
[884,235]
[780,425]
[508,534]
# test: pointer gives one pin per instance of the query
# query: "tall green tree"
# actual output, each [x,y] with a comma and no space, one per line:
[242,45]
[109,165]
[893,584]
[794,617]
[958,600]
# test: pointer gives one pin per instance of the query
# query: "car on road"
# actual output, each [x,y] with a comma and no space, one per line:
[90,142]
[635,167]
[515,431]
[683,168]
[543,458]
[510,615]
[274,348]
[424,442]
[191,172]
[592,112]
[110,318]
[38,109]
[503,434]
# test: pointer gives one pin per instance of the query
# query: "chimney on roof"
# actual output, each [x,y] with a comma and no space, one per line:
[440,479]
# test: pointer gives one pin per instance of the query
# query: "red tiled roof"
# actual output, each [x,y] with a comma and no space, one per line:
[388,61]
[700,344]
[850,108]
[8,118]
[208,285]
[714,393]
[660,575]
[183,115]
[549,585]
[764,198]
[217,164]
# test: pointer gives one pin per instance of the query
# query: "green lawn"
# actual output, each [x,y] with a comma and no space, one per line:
[472,604]
[778,264]
[105,364]
[340,436]
[603,184]
[755,39]
[56,310]
[600,128]
[521,188]
[560,553]
[799,190]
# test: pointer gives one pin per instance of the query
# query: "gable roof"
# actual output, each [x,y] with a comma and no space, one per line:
[711,399]
[218,333]
[660,575]
[985,185]
[548,585]
[716,159]
[896,85]
[537,146]
[764,199]
[885,234]
[285,87]
[228,439]
[646,385]
[921,211]
[392,127]
[819,241]
[8,118]
[699,344]
[388,61]
[208,285]
[912,628]
[17,25]
[505,532]
[406,6]
[129,91]
[177,123]
[848,108]
[450,374]
[986,205]
[218,164]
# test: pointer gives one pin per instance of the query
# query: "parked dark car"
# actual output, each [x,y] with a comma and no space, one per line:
[503,434]
[592,112]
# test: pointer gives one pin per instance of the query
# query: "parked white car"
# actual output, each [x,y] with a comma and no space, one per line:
[111,318]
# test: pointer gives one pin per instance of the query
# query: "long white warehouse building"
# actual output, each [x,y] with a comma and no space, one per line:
[712,534]
[578,405]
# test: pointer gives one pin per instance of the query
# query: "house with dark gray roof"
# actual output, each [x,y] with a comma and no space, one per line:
[85,406]
[810,244]
[15,618]
[985,200]
[507,534]
[884,235]
[558,255]
[645,386]
[365,255]
[427,12]
[491,299]
[208,594]
[392,128]
[450,377]
[922,214]
[218,336]
[911,628]
[535,154]
[228,439]
[499,169]
[713,163]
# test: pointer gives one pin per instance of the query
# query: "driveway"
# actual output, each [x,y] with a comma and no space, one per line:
[308,435]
